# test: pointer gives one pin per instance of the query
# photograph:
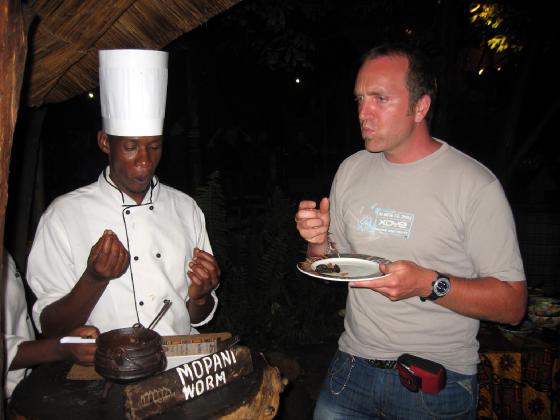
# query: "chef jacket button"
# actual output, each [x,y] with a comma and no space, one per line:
[151,207]
[127,212]
[158,255]
[141,303]
[136,258]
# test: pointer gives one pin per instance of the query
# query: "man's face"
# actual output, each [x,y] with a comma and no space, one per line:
[133,161]
[383,104]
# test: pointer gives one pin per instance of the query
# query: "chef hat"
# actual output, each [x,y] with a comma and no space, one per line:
[133,89]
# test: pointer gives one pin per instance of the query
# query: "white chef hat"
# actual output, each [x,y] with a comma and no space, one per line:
[133,90]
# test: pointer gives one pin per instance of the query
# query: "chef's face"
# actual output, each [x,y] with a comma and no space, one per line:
[133,161]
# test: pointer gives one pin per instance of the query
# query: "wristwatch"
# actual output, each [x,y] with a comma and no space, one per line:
[440,287]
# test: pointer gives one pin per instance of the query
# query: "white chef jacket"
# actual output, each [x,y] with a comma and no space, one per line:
[160,235]
[17,322]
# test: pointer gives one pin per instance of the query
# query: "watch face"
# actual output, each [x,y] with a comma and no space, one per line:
[441,287]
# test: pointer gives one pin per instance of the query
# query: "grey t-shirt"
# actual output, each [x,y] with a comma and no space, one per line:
[446,212]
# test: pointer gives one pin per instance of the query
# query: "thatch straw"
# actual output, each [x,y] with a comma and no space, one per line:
[63,48]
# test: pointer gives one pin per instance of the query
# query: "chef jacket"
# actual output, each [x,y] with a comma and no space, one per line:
[17,322]
[160,234]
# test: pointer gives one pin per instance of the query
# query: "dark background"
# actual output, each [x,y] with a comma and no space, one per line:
[248,141]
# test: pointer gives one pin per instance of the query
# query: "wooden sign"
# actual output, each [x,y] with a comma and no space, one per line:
[173,345]
[156,394]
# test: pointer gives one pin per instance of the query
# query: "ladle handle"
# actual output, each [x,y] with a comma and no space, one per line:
[166,304]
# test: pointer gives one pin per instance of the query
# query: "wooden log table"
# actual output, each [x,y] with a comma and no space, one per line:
[47,394]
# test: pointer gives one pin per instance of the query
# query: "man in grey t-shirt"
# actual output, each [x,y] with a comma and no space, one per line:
[443,220]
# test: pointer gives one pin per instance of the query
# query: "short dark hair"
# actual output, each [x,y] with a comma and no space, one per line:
[421,78]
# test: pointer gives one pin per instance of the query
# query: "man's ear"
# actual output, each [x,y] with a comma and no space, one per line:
[103,142]
[422,108]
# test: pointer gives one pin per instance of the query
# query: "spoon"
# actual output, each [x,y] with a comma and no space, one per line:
[166,304]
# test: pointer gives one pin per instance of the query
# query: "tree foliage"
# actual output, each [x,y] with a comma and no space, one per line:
[263,297]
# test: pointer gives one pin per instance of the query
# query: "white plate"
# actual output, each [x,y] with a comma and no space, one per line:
[526,327]
[353,267]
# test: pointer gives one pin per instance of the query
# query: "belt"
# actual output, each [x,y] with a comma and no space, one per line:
[382,364]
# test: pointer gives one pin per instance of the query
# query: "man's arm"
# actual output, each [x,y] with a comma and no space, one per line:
[34,352]
[108,260]
[485,298]
[488,299]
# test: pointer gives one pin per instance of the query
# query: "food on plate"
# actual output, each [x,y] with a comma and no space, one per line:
[327,268]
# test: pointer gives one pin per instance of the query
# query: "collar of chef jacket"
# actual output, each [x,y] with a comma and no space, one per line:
[108,186]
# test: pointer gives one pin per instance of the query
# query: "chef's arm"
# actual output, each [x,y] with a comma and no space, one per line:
[199,309]
[108,260]
[72,310]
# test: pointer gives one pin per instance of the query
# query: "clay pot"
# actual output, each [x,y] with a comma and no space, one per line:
[127,354]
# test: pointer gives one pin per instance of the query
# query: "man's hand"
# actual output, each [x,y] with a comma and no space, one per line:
[312,223]
[204,274]
[82,354]
[108,258]
[406,279]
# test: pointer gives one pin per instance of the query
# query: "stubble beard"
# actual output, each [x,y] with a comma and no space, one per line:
[372,144]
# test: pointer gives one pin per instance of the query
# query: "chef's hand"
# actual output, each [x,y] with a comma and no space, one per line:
[108,258]
[204,274]
[312,223]
[406,279]
[83,354]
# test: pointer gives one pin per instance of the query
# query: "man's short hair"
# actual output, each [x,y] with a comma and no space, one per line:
[421,78]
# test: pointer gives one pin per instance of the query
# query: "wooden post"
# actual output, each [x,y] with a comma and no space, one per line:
[156,394]
[13,50]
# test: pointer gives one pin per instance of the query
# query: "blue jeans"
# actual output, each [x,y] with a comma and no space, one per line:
[353,389]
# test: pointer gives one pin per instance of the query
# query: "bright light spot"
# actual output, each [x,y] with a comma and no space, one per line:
[498,68]
[498,43]
[480,72]
[298,80]
[475,7]
[91,95]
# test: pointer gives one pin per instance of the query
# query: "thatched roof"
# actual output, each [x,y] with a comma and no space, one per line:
[63,48]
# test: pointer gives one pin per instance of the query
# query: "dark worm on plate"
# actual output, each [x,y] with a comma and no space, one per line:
[327,268]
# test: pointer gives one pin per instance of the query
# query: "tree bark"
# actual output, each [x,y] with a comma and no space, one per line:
[27,182]
[13,50]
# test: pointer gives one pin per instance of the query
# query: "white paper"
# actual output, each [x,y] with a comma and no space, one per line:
[77,340]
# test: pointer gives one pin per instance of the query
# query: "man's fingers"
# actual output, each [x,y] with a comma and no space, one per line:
[311,223]
[97,248]
[307,205]
[108,258]
[384,267]
[116,253]
[324,206]
[317,235]
[89,331]
[107,241]
[122,261]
